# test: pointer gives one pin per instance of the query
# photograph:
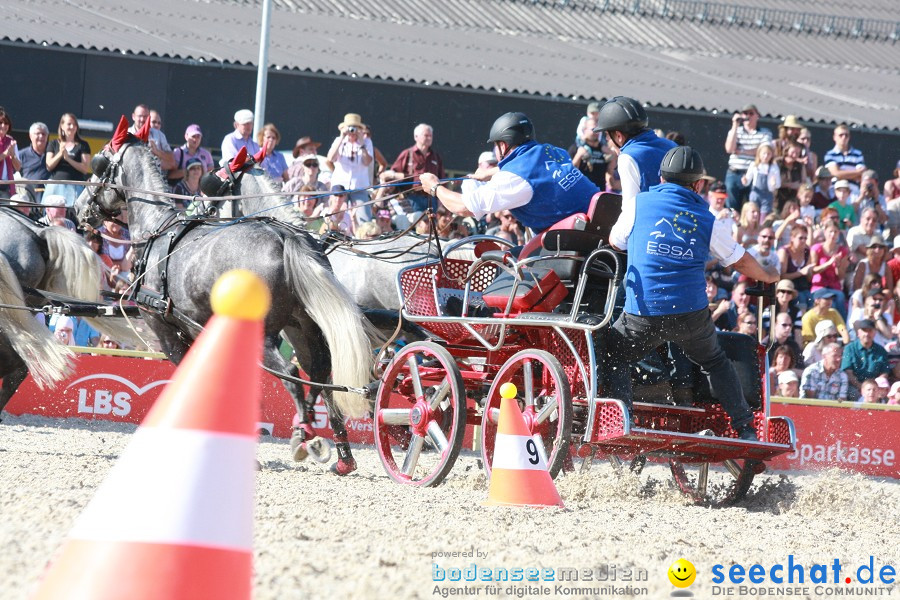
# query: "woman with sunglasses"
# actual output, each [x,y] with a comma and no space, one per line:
[826,333]
[304,172]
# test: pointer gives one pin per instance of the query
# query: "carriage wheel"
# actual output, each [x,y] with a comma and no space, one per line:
[546,403]
[420,414]
[714,484]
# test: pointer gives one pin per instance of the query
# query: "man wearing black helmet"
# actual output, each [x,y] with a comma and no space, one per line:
[640,151]
[536,182]
[669,243]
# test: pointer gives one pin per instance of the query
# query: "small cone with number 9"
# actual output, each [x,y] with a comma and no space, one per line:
[519,475]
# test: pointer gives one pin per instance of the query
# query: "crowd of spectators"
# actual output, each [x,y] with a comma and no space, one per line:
[826,223]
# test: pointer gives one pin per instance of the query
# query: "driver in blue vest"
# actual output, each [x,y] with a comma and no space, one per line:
[669,242]
[640,150]
[536,182]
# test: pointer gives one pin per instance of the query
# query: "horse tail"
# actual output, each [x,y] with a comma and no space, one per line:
[46,359]
[340,320]
[74,270]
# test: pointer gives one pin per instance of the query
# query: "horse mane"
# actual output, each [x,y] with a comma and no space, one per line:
[285,214]
[151,171]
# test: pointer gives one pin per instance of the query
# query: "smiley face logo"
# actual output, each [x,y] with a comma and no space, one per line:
[682,573]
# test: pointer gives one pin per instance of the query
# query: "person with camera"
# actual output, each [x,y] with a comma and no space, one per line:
[351,154]
[672,237]
[741,143]
[870,197]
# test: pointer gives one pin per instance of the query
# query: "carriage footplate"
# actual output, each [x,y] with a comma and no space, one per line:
[688,433]
[345,464]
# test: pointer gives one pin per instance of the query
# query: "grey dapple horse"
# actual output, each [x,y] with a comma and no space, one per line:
[51,259]
[308,304]
[368,269]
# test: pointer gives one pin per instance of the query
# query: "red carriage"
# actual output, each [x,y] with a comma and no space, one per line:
[535,321]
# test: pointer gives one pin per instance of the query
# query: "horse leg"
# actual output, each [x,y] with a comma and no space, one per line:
[13,376]
[345,464]
[304,404]
[172,342]
[313,355]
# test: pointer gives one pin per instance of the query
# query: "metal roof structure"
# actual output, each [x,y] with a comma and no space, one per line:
[825,61]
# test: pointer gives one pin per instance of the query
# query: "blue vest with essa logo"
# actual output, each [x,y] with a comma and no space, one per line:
[667,252]
[559,188]
[648,149]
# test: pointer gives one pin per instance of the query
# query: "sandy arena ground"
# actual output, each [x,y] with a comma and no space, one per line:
[320,536]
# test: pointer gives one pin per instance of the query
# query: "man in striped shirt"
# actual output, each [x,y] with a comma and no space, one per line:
[825,380]
[844,161]
[741,143]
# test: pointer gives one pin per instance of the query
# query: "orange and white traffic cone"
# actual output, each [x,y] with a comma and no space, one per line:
[174,517]
[519,475]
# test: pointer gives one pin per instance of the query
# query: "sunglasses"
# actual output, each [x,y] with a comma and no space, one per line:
[311,164]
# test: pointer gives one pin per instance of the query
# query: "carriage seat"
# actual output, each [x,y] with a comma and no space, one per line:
[544,284]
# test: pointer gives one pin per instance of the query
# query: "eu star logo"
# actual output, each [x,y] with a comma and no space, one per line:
[684,222]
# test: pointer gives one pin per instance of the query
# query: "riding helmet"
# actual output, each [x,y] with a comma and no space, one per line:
[514,128]
[622,114]
[681,165]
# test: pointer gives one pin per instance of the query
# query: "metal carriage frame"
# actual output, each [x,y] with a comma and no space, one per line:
[432,391]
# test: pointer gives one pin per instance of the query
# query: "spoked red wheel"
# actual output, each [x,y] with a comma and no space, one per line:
[420,414]
[714,484]
[546,403]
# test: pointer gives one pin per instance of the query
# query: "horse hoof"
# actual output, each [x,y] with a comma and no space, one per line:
[344,467]
[299,451]
[319,449]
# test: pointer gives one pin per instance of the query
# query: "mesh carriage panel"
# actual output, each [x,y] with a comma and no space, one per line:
[424,288]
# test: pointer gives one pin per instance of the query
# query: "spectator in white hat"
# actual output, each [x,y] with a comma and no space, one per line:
[893,396]
[241,137]
[826,333]
[788,384]
[486,160]
[55,212]
[64,331]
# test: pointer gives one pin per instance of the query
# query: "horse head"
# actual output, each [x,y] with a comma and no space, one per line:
[105,200]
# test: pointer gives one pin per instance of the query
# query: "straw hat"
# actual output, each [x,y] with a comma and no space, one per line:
[787,284]
[350,120]
[791,122]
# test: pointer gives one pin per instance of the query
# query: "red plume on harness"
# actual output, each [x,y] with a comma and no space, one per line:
[259,156]
[144,133]
[120,135]
[218,183]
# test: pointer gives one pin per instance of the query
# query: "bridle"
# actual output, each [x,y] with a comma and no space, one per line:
[107,170]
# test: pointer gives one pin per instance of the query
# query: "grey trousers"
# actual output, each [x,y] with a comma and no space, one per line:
[631,337]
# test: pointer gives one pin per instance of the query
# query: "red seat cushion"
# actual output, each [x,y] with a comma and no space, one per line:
[538,288]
